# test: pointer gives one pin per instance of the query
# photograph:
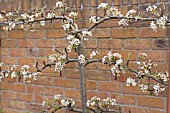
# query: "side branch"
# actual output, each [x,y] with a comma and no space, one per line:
[117,17]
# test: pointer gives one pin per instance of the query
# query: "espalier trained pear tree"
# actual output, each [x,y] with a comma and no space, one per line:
[143,74]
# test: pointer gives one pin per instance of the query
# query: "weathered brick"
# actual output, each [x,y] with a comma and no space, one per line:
[36,34]
[17,34]
[109,86]
[148,33]
[124,33]
[150,102]
[25,97]
[136,44]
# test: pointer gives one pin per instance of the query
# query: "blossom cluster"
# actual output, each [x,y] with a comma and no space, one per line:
[74,42]
[94,53]
[58,60]
[97,102]
[22,72]
[115,59]
[57,102]
[81,58]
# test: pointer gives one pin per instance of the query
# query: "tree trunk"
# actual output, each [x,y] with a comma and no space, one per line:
[83,87]
[80,50]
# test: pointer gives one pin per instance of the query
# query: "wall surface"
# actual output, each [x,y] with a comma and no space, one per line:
[26,47]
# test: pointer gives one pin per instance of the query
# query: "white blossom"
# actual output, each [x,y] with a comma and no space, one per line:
[130,13]
[62,57]
[56,97]
[162,22]
[65,102]
[52,58]
[50,15]
[153,26]
[25,67]
[66,26]
[158,89]
[143,87]
[43,103]
[113,11]
[31,18]
[58,66]
[42,23]
[13,74]
[73,14]
[59,4]
[93,54]
[69,48]
[123,22]
[81,58]
[24,16]
[86,33]
[94,19]
[75,41]
[102,5]
[1,64]
[130,81]
[151,8]
[1,17]
[9,14]
[70,37]
[163,76]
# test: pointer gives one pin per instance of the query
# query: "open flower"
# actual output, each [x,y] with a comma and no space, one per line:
[81,58]
[59,4]
[73,14]
[102,5]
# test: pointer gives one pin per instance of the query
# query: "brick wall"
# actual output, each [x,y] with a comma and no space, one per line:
[26,47]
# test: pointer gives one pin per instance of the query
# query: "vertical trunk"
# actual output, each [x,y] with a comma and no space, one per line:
[80,50]
[83,87]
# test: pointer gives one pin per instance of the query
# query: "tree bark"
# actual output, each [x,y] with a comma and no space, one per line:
[83,87]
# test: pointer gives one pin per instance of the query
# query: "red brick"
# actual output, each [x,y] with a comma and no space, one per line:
[26,43]
[135,109]
[36,34]
[110,44]
[90,44]
[44,43]
[4,34]
[63,82]
[17,34]
[4,103]
[149,33]
[157,111]
[109,86]
[4,51]
[100,94]
[9,43]
[101,33]
[150,102]
[137,44]
[17,104]
[9,95]
[17,87]
[25,97]
[131,90]
[72,93]
[155,55]
[54,33]
[38,90]
[61,43]
[48,91]
[19,52]
[124,33]
[9,60]
[124,99]
[26,61]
